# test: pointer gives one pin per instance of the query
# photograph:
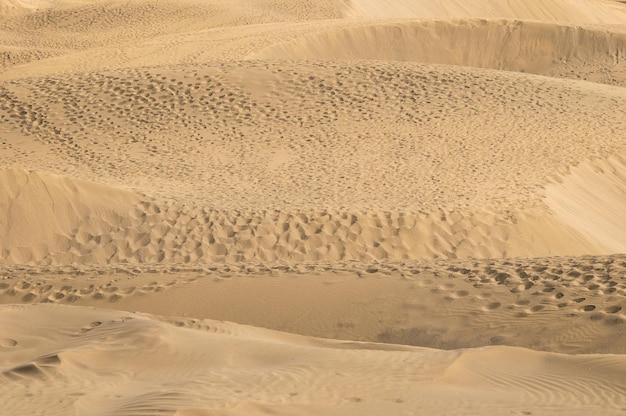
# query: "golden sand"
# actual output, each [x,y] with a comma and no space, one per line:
[294,207]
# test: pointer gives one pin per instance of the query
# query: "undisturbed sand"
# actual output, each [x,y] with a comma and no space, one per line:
[426,199]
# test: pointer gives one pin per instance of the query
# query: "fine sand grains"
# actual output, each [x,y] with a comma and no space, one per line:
[429,193]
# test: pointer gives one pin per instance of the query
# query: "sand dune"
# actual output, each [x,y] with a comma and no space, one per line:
[140,33]
[37,30]
[539,48]
[207,367]
[430,194]
[401,127]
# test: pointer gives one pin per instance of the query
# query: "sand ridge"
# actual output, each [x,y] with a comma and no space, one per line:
[578,52]
[572,11]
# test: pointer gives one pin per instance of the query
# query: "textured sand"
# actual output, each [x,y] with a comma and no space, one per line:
[439,185]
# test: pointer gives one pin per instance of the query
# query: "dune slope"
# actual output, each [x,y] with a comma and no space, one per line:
[135,364]
[539,48]
[591,198]
[44,212]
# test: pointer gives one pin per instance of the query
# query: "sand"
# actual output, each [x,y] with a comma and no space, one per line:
[312,207]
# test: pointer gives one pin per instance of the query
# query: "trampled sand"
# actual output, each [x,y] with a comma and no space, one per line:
[293,207]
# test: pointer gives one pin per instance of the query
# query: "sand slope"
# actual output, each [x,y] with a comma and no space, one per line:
[91,361]
[397,145]
[539,48]
[568,305]
[47,214]
[575,199]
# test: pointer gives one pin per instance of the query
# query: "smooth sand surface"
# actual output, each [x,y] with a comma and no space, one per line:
[253,207]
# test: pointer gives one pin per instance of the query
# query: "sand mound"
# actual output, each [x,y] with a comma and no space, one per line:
[591,199]
[95,361]
[573,11]
[41,213]
[538,48]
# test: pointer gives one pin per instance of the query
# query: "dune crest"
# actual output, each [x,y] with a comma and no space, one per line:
[572,11]
[539,48]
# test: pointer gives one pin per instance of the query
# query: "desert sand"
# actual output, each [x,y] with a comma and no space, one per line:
[293,207]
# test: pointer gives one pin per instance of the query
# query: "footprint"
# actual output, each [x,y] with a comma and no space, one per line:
[612,309]
[56,296]
[29,297]
[72,298]
[129,290]
[492,306]
[589,308]
[115,298]
[43,289]
[91,326]
[8,343]
[87,290]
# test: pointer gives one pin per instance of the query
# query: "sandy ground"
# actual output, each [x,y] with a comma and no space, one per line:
[334,207]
